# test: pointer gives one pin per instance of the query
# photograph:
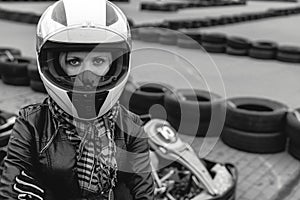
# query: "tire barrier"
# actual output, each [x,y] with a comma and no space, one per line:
[263,50]
[254,142]
[255,114]
[255,125]
[38,86]
[293,132]
[189,111]
[145,99]
[14,72]
[214,42]
[168,37]
[175,6]
[294,150]
[288,54]
[293,126]
[149,34]
[193,23]
[218,43]
[53,0]
[36,83]
[227,19]
[23,17]
[184,40]
[32,18]
[8,53]
[237,46]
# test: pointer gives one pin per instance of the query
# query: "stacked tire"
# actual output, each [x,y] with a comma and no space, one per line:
[263,50]
[145,99]
[8,53]
[237,46]
[214,42]
[255,125]
[36,83]
[189,39]
[288,54]
[14,71]
[293,132]
[190,111]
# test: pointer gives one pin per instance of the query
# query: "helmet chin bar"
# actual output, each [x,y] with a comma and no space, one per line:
[88,105]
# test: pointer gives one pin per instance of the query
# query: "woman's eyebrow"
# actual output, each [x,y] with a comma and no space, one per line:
[72,57]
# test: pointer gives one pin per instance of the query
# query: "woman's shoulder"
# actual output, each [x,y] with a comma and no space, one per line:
[128,121]
[129,116]
[33,111]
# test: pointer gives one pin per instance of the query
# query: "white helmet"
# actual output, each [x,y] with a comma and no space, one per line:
[88,26]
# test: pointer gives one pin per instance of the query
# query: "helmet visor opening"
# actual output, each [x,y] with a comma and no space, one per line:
[84,67]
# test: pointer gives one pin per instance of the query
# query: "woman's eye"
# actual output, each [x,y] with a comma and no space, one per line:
[99,61]
[73,62]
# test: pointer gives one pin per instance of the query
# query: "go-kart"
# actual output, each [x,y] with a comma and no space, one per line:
[180,174]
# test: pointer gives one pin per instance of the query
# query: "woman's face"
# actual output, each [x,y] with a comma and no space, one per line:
[73,63]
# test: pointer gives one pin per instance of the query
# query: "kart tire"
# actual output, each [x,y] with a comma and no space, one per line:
[141,98]
[37,86]
[223,20]
[254,142]
[169,7]
[238,52]
[3,56]
[214,48]
[263,50]
[238,43]
[168,38]
[215,38]
[23,18]
[18,68]
[149,34]
[189,39]
[182,108]
[189,129]
[193,34]
[205,22]
[293,126]
[14,80]
[33,72]
[255,114]
[294,150]
[175,24]
[13,51]
[288,54]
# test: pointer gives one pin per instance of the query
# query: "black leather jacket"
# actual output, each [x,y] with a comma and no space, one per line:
[54,166]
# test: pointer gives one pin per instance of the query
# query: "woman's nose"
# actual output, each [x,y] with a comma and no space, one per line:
[89,79]
[88,65]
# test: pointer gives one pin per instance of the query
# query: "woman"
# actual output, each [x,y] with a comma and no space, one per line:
[79,143]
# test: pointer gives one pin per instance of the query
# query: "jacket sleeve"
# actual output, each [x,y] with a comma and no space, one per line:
[18,158]
[140,182]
